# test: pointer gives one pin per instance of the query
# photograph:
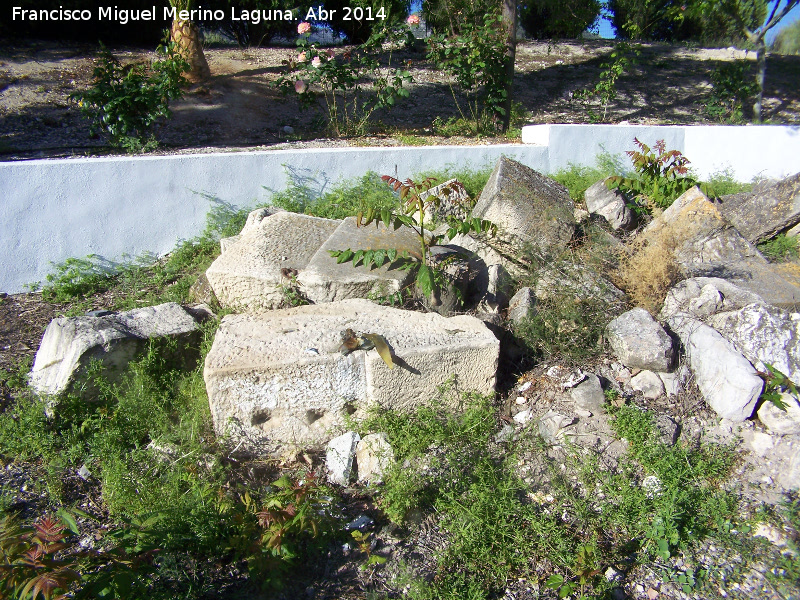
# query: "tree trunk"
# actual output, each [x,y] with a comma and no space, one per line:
[510,22]
[761,71]
[186,37]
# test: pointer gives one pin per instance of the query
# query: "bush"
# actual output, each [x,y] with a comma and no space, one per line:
[548,19]
[733,89]
[788,39]
[124,102]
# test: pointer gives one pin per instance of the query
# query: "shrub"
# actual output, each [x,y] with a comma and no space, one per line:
[733,88]
[125,101]
[781,248]
[788,39]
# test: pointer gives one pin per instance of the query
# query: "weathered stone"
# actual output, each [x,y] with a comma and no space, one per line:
[779,421]
[374,456]
[339,455]
[453,202]
[447,299]
[639,341]
[551,426]
[527,207]
[765,335]
[726,379]
[70,344]
[701,297]
[323,280]
[609,204]
[280,376]
[252,273]
[668,430]
[707,245]
[521,304]
[253,221]
[201,290]
[649,384]
[498,287]
[760,214]
[672,383]
[588,394]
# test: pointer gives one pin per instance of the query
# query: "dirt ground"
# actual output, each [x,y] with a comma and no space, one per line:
[241,107]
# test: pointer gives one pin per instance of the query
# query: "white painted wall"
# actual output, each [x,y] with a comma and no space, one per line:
[51,210]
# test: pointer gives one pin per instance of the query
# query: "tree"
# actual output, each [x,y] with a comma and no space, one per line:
[788,39]
[186,36]
[509,14]
[547,19]
[739,10]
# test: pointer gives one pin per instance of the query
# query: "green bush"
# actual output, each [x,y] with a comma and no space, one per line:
[788,39]
[556,19]
[124,102]
[733,89]
[781,248]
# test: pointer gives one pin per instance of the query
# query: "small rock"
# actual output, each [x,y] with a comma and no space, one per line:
[504,435]
[521,304]
[573,379]
[288,129]
[612,575]
[359,523]
[649,384]
[525,386]
[588,394]
[652,485]
[521,400]
[339,455]
[667,429]
[583,413]
[640,342]
[522,417]
[374,456]
[781,422]
[84,472]
[672,383]
[551,424]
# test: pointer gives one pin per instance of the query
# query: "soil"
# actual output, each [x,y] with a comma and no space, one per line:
[240,106]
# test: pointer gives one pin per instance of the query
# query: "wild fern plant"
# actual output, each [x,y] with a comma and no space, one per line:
[429,276]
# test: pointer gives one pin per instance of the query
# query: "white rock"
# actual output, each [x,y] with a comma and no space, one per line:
[761,443]
[609,204]
[523,417]
[672,383]
[649,384]
[69,344]
[728,382]
[521,304]
[639,341]
[374,456]
[773,534]
[263,383]
[248,275]
[339,454]
[779,421]
[588,394]
[551,424]
[705,296]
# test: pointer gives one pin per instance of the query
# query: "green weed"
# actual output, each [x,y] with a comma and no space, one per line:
[781,248]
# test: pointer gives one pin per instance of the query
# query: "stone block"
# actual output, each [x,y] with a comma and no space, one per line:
[609,204]
[639,341]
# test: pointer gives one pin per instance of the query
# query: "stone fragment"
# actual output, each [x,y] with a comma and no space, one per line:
[701,297]
[765,335]
[521,304]
[374,456]
[201,291]
[70,344]
[577,281]
[527,207]
[552,424]
[339,455]
[779,421]
[498,287]
[588,394]
[281,378]
[450,298]
[609,204]
[453,202]
[639,341]
[325,280]
[649,384]
[727,380]
[760,214]
[672,383]
[668,430]
[253,272]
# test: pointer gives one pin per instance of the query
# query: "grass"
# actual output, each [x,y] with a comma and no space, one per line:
[781,248]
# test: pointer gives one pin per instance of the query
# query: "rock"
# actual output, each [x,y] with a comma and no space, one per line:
[652,486]
[789,476]
[523,417]
[279,377]
[649,384]
[70,344]
[551,426]
[251,273]
[672,383]
[779,421]
[765,335]
[707,245]
[760,214]
[253,221]
[609,204]
[374,456]
[521,304]
[588,394]
[448,300]
[201,291]
[497,290]
[577,281]
[323,280]
[453,202]
[668,430]
[527,207]
[727,380]
[774,535]
[339,454]
[639,341]
[701,297]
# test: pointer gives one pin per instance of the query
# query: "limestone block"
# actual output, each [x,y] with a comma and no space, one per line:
[649,384]
[705,296]
[639,341]
[522,303]
[323,280]
[70,344]
[779,421]
[453,202]
[727,380]
[374,456]
[339,455]
[588,394]
[280,375]
[527,207]
[248,274]
[760,214]
[609,204]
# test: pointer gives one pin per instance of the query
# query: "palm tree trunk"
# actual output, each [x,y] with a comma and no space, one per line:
[186,37]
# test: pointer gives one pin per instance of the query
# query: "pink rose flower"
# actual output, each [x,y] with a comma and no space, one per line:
[413,20]
[316,62]
[300,86]
[304,28]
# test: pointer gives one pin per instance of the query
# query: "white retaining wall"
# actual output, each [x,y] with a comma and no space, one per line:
[51,210]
